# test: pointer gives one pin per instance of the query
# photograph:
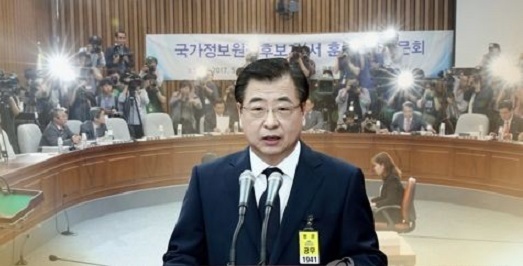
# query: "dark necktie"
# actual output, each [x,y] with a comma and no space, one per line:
[274,219]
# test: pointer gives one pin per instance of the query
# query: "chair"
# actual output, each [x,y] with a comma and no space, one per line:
[74,126]
[119,128]
[29,136]
[6,146]
[408,212]
[468,123]
[153,121]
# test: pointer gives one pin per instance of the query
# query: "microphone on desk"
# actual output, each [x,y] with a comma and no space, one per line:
[56,258]
[274,183]
[246,182]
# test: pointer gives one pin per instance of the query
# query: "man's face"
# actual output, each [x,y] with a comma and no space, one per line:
[505,113]
[185,90]
[309,106]
[219,108]
[121,38]
[273,135]
[61,118]
[100,119]
[107,89]
[407,112]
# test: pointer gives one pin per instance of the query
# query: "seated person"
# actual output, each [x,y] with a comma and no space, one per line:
[211,118]
[407,121]
[57,128]
[313,120]
[510,125]
[391,192]
[94,128]
[350,125]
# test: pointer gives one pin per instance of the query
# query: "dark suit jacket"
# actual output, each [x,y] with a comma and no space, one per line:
[516,126]
[330,190]
[391,193]
[398,123]
[51,134]
[313,121]
[88,128]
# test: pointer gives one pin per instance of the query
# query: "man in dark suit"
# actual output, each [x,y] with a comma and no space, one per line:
[319,193]
[313,119]
[58,128]
[407,121]
[511,125]
[94,128]
[210,121]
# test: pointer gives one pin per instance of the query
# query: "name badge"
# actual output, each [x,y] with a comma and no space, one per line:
[309,247]
[309,244]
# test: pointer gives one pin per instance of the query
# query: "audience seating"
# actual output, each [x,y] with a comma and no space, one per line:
[153,121]
[408,212]
[471,123]
[119,127]
[29,136]
[6,146]
[74,126]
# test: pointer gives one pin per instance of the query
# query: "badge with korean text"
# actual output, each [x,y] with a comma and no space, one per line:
[309,247]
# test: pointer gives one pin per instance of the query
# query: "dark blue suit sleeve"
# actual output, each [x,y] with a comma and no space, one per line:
[187,245]
[359,240]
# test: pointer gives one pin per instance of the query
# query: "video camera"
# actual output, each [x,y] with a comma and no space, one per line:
[132,80]
[8,85]
[119,50]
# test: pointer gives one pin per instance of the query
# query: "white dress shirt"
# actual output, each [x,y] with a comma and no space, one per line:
[287,166]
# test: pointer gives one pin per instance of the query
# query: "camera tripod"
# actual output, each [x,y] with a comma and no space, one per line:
[131,101]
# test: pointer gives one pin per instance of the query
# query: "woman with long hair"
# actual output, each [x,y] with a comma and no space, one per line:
[391,192]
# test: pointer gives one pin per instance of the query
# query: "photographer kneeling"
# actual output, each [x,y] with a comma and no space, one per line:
[133,101]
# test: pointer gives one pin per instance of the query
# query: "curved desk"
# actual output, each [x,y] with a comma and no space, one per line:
[79,176]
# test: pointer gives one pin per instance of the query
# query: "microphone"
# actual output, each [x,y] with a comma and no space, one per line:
[273,187]
[56,258]
[246,182]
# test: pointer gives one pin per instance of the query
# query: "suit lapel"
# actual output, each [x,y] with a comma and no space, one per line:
[252,223]
[305,185]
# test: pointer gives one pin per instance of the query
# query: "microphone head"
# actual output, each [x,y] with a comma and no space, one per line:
[274,183]
[53,258]
[246,182]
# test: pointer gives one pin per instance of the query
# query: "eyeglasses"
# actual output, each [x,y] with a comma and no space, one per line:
[281,112]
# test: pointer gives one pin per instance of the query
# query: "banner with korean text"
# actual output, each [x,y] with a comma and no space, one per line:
[181,56]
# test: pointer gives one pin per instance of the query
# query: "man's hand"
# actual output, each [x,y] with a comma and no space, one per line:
[76,139]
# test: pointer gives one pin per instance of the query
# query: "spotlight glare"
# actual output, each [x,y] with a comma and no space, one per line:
[405,79]
[371,40]
[389,33]
[60,67]
[505,69]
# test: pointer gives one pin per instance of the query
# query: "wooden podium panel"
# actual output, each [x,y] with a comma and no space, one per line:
[79,176]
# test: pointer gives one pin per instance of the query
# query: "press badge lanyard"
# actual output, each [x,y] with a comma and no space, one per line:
[309,244]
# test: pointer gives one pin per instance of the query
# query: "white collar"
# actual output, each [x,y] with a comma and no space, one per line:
[287,165]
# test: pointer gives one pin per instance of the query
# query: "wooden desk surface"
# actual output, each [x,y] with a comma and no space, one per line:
[75,177]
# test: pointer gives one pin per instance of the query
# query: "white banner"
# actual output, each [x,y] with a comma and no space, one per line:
[181,56]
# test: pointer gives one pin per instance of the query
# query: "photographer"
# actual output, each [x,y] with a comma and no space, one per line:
[81,100]
[348,65]
[9,90]
[157,100]
[106,98]
[430,104]
[119,57]
[300,57]
[88,71]
[133,101]
[151,68]
[208,92]
[184,103]
[352,98]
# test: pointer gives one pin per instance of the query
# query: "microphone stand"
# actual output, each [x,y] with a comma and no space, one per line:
[232,251]
[67,232]
[265,224]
